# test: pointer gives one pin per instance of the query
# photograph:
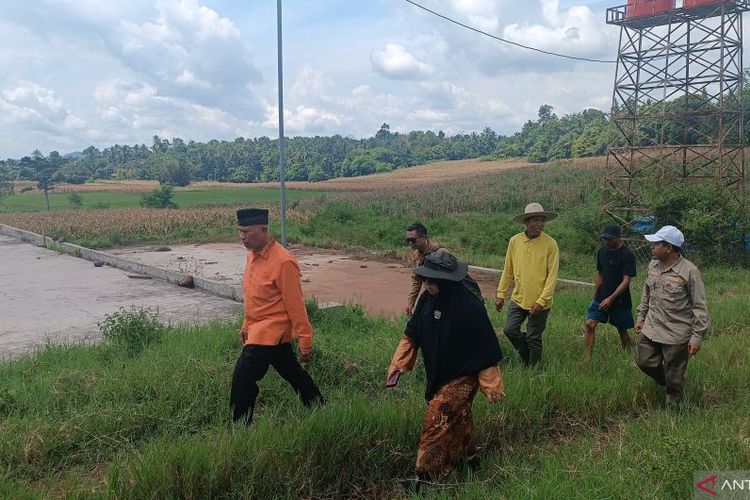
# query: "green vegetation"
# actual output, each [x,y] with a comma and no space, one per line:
[160,197]
[144,414]
[109,421]
[34,202]
[552,138]
[132,330]
[470,216]
[256,160]
[6,186]
[75,200]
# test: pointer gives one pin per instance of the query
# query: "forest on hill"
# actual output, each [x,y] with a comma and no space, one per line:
[179,162]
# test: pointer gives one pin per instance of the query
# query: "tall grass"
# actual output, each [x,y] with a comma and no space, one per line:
[101,420]
[481,238]
[127,226]
[555,185]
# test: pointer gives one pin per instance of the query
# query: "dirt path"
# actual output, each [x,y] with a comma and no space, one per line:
[380,285]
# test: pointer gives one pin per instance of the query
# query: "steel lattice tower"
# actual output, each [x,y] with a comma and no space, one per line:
[677,110]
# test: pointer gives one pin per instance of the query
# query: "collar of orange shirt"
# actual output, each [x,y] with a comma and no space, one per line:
[266,250]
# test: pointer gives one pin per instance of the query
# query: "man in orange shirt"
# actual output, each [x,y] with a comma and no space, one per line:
[274,314]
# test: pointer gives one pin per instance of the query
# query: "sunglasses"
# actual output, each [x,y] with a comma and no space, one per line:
[409,241]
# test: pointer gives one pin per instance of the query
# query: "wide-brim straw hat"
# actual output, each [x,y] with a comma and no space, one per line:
[534,210]
[442,266]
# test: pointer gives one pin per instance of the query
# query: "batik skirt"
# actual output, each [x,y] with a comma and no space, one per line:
[448,428]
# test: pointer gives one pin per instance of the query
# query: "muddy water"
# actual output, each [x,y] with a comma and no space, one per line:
[48,296]
[380,285]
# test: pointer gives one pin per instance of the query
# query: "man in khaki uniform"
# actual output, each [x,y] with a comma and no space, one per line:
[672,316]
[416,237]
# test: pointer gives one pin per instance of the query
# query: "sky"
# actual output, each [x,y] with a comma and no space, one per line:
[99,72]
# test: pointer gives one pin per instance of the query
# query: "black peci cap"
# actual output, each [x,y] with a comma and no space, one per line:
[252,216]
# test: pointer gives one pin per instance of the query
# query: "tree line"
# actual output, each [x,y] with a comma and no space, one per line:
[307,158]
[176,162]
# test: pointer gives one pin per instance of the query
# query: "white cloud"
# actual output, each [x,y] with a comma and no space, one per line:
[189,51]
[311,83]
[481,14]
[429,115]
[77,72]
[27,103]
[363,102]
[575,31]
[304,120]
[395,62]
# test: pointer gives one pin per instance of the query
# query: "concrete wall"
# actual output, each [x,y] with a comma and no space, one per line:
[560,280]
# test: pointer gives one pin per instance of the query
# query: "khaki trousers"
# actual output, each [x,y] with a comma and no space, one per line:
[664,363]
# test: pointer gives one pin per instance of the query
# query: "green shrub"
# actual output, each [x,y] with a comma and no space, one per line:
[75,200]
[132,329]
[712,222]
[160,197]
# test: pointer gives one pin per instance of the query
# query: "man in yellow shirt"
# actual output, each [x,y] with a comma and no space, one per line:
[531,263]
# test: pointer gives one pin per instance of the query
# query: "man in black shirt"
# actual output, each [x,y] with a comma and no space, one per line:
[615,266]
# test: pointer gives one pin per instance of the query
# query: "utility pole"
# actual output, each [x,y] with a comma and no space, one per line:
[282,166]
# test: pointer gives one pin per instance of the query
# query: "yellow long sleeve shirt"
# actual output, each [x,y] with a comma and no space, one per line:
[531,264]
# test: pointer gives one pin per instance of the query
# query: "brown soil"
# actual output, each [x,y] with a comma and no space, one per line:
[379,284]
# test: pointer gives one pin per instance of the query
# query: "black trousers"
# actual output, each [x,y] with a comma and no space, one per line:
[253,364]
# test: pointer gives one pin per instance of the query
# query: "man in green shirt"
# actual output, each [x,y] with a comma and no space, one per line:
[672,316]
[531,263]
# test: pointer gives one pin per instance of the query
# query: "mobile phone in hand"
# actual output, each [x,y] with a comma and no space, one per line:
[393,379]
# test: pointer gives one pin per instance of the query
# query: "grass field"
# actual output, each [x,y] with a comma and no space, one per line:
[135,420]
[102,200]
[106,421]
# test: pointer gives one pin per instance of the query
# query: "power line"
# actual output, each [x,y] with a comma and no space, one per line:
[505,40]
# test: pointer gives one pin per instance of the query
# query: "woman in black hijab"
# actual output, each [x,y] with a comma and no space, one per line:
[461,355]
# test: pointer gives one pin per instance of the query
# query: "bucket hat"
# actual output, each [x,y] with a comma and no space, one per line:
[442,266]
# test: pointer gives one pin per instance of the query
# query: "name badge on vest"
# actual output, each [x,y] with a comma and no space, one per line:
[438,314]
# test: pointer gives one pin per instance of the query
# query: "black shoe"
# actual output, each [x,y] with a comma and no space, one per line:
[474,462]
[535,358]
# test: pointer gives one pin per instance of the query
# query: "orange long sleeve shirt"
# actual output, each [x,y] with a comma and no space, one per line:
[272,292]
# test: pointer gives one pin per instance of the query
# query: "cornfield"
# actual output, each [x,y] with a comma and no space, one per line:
[564,185]
[103,228]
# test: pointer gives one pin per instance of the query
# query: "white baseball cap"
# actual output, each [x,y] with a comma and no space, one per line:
[670,234]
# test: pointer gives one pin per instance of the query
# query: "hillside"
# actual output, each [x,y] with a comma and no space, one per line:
[420,175]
